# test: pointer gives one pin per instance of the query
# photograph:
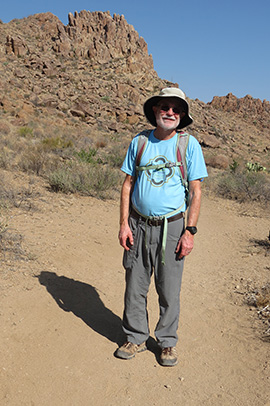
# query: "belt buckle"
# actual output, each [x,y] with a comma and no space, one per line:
[154,221]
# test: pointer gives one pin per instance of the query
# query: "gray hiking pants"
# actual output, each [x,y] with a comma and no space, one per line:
[140,262]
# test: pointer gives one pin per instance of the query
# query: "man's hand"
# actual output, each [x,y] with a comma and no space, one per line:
[185,245]
[125,237]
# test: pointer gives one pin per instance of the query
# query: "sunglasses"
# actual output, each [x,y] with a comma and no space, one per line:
[165,107]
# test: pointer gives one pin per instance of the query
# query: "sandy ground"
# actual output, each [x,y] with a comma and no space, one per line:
[61,308]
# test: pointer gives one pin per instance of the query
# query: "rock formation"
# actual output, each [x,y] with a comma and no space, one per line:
[249,108]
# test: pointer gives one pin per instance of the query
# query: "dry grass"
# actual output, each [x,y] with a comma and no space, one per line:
[241,185]
[11,196]
[88,179]
[260,298]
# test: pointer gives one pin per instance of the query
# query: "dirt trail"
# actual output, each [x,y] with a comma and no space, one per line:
[61,313]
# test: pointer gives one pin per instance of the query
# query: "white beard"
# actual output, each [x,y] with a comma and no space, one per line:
[168,124]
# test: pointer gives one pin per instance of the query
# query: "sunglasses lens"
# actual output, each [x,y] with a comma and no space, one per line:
[165,107]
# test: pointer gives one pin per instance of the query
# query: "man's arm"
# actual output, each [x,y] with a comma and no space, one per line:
[125,235]
[186,242]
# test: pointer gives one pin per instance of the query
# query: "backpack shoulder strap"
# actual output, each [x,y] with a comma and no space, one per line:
[181,149]
[182,144]
[142,141]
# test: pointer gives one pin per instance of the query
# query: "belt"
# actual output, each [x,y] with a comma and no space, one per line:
[156,221]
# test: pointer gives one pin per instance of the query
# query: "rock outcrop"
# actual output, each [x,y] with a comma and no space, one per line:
[95,36]
[249,108]
[99,37]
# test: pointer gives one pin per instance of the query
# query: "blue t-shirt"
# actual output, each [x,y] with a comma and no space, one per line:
[159,192]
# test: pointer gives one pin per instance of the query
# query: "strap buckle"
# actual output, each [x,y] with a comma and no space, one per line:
[169,164]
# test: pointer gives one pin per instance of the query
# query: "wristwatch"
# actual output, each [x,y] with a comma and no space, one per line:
[192,230]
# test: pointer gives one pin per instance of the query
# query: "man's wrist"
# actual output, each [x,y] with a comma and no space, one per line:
[123,222]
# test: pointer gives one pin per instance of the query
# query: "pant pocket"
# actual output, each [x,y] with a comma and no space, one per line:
[129,256]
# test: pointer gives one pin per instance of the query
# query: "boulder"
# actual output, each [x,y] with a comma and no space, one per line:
[218,161]
[210,141]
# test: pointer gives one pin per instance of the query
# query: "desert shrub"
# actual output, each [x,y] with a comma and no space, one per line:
[32,160]
[4,128]
[234,166]
[11,246]
[4,158]
[54,143]
[62,180]
[85,179]
[25,132]
[116,156]
[86,156]
[13,197]
[101,144]
[105,98]
[244,186]
[260,298]
[36,160]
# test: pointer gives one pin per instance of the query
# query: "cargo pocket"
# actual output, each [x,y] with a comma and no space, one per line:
[129,256]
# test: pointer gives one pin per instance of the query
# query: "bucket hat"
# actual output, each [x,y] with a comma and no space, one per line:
[172,92]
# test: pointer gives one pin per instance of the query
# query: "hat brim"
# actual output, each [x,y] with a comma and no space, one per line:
[153,101]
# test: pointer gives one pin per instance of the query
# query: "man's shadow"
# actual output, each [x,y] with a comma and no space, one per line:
[84,302]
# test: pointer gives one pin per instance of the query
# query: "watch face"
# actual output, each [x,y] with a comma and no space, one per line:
[192,230]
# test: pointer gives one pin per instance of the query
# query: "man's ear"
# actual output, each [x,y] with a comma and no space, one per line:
[182,114]
[154,108]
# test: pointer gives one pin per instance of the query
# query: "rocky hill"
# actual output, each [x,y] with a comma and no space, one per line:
[92,77]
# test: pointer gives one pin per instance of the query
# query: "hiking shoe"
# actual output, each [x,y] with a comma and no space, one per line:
[168,357]
[128,350]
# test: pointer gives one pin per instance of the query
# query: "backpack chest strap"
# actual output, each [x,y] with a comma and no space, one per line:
[158,167]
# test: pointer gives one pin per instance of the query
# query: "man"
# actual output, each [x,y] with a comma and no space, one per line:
[152,229]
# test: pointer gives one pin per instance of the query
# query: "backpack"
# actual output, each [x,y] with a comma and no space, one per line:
[180,155]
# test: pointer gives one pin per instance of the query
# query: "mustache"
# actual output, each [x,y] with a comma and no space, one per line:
[169,117]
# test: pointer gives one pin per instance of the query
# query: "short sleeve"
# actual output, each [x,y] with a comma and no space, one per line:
[196,167]
[129,164]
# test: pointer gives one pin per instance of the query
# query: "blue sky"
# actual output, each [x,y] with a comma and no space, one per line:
[209,47]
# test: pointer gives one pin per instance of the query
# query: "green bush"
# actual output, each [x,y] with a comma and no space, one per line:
[234,166]
[53,143]
[26,132]
[105,98]
[87,156]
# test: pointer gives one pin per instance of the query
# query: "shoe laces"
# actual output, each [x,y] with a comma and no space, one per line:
[128,345]
[169,351]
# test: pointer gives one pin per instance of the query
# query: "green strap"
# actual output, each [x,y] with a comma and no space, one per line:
[164,240]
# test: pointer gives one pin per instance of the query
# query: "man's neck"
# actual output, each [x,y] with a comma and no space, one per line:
[162,134]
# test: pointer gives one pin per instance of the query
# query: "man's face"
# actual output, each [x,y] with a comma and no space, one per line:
[168,114]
